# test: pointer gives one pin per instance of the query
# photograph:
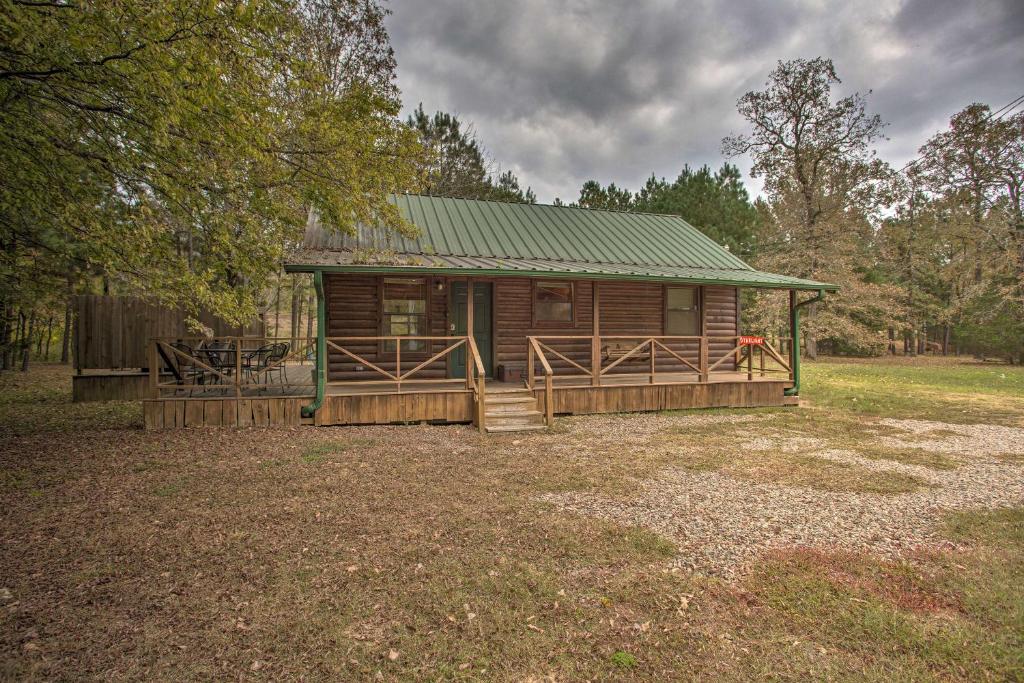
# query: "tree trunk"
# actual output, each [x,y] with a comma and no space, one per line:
[810,338]
[65,341]
[277,308]
[49,338]
[5,336]
[310,303]
[39,342]
[26,342]
[892,342]
[295,312]
[945,340]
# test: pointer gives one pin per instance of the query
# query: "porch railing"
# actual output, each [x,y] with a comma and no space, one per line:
[231,366]
[393,380]
[677,359]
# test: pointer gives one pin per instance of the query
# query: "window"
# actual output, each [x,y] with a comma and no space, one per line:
[682,315]
[405,312]
[553,302]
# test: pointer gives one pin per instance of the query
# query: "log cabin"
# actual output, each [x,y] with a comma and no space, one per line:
[505,315]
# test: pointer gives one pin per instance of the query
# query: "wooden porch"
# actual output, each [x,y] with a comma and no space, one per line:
[226,383]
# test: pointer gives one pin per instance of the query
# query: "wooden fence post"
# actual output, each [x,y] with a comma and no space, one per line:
[549,401]
[595,339]
[703,359]
[154,371]
[238,367]
[652,360]
[529,364]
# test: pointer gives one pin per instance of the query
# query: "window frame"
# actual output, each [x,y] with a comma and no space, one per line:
[384,317]
[698,302]
[540,322]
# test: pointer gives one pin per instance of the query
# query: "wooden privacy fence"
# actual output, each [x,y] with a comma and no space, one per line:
[112,331]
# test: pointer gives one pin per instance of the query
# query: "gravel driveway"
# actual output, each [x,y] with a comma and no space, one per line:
[719,522]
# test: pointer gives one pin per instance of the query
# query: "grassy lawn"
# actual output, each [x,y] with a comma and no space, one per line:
[927,388]
[431,553]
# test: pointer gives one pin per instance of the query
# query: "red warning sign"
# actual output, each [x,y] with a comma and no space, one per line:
[751,341]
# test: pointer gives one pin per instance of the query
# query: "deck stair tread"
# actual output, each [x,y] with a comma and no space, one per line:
[509,399]
[512,410]
[516,428]
[504,414]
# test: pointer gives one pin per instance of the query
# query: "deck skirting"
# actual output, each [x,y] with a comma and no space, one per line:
[388,408]
[177,413]
[452,406]
[651,397]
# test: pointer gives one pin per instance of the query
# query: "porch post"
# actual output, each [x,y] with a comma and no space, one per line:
[469,332]
[321,345]
[595,339]
[794,343]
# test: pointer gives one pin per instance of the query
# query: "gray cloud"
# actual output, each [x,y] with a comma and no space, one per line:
[568,91]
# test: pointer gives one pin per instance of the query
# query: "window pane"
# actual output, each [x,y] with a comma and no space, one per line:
[405,311]
[554,301]
[682,323]
[682,298]
[405,306]
[554,311]
[413,344]
[554,291]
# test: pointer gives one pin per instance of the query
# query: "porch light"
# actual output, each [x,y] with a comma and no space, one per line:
[439,285]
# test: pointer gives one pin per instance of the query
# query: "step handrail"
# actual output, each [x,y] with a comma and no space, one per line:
[549,406]
[480,387]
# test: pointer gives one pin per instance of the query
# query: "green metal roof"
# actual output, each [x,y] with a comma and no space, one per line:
[533,239]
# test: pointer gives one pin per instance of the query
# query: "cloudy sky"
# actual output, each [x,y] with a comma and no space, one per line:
[561,92]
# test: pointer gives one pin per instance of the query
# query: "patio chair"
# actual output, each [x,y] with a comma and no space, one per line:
[189,373]
[278,354]
[221,357]
[255,362]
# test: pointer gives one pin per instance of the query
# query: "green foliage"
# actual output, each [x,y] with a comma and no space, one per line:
[716,203]
[611,198]
[176,148]
[623,660]
[825,189]
[992,324]
[459,165]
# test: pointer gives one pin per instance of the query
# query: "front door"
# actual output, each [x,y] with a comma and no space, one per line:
[482,324]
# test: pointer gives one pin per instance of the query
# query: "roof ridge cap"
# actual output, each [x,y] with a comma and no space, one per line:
[553,206]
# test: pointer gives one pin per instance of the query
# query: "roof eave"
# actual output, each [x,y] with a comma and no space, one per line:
[496,272]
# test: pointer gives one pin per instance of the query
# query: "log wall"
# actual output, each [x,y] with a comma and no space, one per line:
[627,308]
[354,310]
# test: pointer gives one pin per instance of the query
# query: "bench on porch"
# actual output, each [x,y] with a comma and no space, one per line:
[616,350]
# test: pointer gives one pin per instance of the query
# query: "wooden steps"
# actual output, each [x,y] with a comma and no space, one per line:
[512,410]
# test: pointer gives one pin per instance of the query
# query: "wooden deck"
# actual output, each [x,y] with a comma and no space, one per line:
[451,402]
[233,395]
